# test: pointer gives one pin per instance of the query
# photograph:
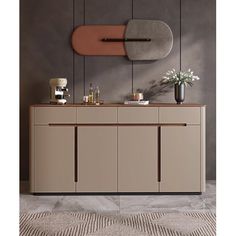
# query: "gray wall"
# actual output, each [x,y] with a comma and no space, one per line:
[46,27]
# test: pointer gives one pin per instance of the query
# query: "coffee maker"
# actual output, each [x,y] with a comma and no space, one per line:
[58,91]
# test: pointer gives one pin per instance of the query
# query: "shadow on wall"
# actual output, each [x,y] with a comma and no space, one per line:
[153,90]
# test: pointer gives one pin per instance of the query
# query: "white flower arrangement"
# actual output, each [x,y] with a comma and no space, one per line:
[173,77]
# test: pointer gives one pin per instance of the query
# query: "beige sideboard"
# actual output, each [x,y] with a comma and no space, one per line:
[117,148]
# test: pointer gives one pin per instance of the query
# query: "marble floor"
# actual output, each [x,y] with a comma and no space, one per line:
[122,204]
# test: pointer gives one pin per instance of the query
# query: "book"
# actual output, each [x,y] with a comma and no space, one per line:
[136,102]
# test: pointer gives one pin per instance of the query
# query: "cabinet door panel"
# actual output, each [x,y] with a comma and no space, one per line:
[180,159]
[54,159]
[97,159]
[137,159]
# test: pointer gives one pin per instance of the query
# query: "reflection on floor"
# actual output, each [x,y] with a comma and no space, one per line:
[122,204]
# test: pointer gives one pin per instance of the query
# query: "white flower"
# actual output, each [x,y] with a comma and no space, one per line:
[179,77]
[196,78]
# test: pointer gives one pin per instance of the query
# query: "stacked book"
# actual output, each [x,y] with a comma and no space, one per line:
[142,102]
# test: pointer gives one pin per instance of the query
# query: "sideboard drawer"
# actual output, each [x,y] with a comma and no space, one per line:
[188,115]
[54,115]
[138,115]
[88,115]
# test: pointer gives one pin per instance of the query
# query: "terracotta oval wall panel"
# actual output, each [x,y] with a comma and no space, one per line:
[87,40]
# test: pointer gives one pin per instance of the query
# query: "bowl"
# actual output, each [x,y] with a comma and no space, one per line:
[137,96]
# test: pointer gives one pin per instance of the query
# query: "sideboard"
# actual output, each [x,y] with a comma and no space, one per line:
[115,148]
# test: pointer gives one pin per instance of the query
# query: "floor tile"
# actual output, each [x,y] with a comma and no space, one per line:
[123,203]
[32,203]
[160,203]
[88,203]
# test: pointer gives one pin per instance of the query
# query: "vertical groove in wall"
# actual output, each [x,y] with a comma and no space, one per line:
[180,34]
[132,62]
[84,76]
[84,56]
[73,55]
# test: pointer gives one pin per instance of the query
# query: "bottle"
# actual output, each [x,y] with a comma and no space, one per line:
[91,94]
[97,95]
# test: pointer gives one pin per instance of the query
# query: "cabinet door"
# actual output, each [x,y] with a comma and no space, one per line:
[137,159]
[180,159]
[54,159]
[97,159]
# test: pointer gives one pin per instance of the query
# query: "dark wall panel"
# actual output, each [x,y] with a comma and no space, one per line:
[112,74]
[78,61]
[199,53]
[45,53]
[144,73]
[107,11]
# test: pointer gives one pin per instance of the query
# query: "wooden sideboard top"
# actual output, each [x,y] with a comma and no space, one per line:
[120,105]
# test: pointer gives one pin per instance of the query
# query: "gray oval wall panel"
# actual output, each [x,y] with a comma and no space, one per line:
[158,47]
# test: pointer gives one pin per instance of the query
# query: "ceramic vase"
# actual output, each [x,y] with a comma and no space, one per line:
[179,93]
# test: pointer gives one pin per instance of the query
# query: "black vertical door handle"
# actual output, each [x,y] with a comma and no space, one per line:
[159,154]
[76,154]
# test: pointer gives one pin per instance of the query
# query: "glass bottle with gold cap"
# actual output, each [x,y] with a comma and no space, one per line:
[97,96]
[91,94]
